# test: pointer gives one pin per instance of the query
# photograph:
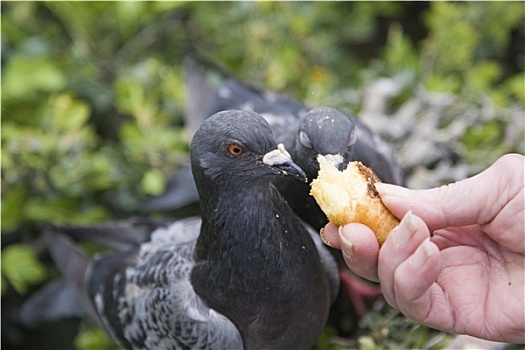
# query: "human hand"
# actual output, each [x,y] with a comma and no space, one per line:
[456,261]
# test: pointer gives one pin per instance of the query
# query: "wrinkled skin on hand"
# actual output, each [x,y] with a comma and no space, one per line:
[456,261]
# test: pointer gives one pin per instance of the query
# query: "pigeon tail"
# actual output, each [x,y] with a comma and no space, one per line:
[54,301]
[73,264]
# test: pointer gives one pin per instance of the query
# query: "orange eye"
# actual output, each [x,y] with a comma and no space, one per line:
[235,150]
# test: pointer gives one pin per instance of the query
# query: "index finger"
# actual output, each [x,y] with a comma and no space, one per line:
[496,193]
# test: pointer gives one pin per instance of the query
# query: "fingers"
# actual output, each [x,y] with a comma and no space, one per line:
[358,245]
[360,250]
[415,290]
[330,235]
[409,264]
[465,202]
[461,203]
[400,244]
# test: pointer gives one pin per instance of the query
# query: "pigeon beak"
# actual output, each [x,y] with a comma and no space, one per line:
[337,160]
[281,160]
[290,168]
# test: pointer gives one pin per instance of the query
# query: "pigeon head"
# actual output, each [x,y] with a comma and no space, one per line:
[237,147]
[324,131]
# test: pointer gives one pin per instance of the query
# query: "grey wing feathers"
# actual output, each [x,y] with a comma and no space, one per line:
[180,321]
[55,300]
[159,302]
[199,92]
[73,264]
[119,235]
[145,298]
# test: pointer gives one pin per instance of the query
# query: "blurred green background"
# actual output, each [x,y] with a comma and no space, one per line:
[93,104]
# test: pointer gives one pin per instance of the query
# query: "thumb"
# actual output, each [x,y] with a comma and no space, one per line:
[476,200]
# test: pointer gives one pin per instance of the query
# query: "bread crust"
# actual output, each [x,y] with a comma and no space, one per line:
[350,196]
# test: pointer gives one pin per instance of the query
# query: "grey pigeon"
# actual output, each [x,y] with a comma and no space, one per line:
[305,133]
[328,131]
[247,274]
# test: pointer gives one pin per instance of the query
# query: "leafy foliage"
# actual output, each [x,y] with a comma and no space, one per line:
[93,97]
[94,338]
[20,267]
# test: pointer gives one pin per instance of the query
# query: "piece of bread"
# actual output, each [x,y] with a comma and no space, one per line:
[350,196]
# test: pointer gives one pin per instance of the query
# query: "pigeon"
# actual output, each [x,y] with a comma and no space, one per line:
[329,132]
[304,132]
[248,273]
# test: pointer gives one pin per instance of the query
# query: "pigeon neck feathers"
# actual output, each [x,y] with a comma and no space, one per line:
[239,204]
[258,265]
[258,228]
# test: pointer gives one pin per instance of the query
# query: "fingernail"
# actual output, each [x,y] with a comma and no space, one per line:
[422,254]
[391,190]
[406,229]
[321,233]
[347,247]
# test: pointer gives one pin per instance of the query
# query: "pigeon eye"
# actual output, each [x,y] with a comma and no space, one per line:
[235,150]
[304,139]
[353,138]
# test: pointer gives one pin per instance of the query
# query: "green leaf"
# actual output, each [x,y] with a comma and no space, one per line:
[367,343]
[130,13]
[21,267]
[24,76]
[153,182]
[481,76]
[94,338]
[515,86]
[12,203]
[443,83]
[399,52]
[482,135]
[453,39]
[62,210]
[69,114]
[131,96]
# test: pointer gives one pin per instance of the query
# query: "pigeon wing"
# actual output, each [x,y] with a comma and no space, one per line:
[119,235]
[145,298]
[377,154]
[54,301]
